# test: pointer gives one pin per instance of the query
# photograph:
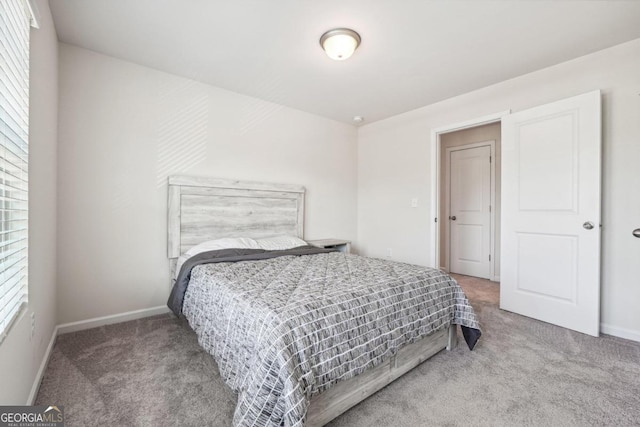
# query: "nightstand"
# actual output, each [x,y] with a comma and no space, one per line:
[339,244]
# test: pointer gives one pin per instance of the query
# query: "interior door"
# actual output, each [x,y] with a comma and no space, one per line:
[470,217]
[550,267]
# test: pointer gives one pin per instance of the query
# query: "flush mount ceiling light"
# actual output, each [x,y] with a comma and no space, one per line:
[340,43]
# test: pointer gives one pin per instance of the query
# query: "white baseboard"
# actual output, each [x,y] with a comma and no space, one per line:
[616,331]
[66,328]
[43,366]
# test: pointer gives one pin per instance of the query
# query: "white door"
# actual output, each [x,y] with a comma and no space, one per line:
[550,267]
[469,212]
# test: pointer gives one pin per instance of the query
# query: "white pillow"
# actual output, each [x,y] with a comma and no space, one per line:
[214,245]
[226,243]
[280,243]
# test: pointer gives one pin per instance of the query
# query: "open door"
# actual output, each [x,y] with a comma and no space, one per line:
[550,244]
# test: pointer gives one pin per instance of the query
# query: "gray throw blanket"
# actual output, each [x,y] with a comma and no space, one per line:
[286,325]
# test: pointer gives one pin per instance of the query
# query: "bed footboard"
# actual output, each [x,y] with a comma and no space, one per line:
[453,337]
[328,405]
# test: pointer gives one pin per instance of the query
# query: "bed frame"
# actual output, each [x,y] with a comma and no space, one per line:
[201,209]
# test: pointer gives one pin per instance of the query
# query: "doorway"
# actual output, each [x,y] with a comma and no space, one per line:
[551,202]
[469,206]
[466,230]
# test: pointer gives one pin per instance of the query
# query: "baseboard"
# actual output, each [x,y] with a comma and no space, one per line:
[66,328]
[43,367]
[616,331]
[495,278]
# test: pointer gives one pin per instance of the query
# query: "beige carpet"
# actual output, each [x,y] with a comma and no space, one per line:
[151,372]
[479,290]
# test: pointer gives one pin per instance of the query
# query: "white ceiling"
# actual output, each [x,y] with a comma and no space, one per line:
[413,52]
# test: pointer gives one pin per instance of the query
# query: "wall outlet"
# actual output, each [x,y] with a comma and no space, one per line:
[33,324]
[389,252]
[414,202]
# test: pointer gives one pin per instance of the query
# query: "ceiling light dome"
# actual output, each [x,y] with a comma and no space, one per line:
[340,43]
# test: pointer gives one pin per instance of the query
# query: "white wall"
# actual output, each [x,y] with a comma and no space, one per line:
[394,165]
[123,128]
[20,356]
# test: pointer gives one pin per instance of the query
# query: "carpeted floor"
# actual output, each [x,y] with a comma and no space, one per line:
[152,372]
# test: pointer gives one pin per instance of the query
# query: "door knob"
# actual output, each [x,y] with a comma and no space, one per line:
[636,233]
[452,218]
[588,225]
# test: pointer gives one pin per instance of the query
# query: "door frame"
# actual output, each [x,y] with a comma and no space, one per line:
[493,274]
[436,147]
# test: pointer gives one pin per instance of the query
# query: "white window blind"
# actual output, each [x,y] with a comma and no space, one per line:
[14,156]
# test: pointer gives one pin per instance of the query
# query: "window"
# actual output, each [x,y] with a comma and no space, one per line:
[15,25]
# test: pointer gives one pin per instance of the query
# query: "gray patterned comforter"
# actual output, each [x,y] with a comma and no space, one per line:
[285,328]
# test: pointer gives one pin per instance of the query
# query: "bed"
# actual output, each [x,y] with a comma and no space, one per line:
[301,334]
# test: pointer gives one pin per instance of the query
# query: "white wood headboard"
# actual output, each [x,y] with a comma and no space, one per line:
[202,209]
